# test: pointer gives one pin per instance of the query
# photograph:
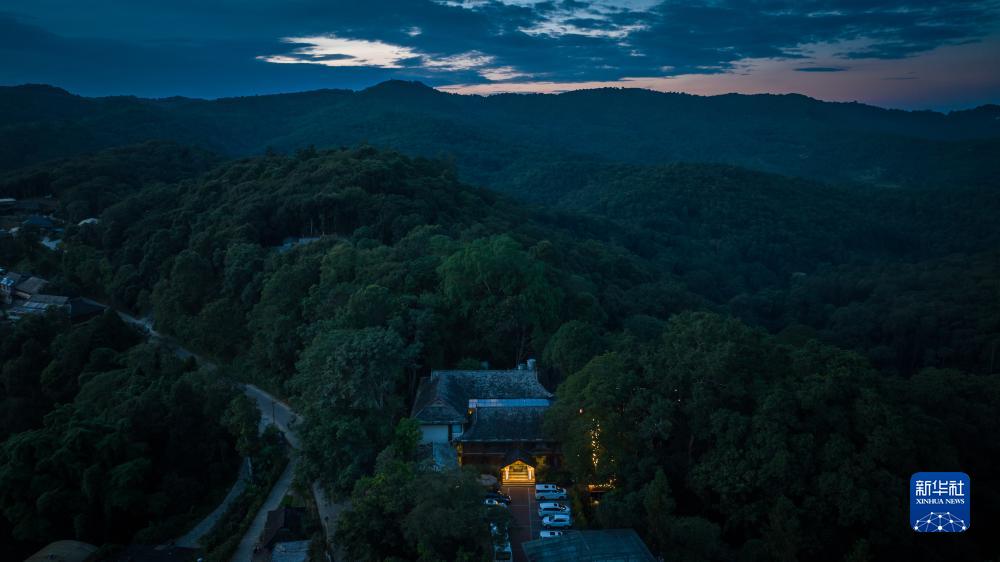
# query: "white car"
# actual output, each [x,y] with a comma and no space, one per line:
[549,492]
[549,534]
[552,508]
[556,521]
[493,502]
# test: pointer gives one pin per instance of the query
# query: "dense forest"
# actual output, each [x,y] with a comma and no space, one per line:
[497,139]
[106,439]
[764,358]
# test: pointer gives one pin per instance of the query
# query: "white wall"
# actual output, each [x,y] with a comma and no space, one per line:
[434,433]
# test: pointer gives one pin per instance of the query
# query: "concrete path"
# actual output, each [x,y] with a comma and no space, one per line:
[190,540]
[244,552]
[329,515]
[273,410]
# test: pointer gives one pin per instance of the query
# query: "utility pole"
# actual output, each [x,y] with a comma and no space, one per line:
[274,420]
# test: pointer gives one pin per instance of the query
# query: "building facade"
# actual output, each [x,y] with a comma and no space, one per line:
[492,418]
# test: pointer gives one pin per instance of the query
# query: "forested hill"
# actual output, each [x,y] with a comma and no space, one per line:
[901,275]
[725,441]
[496,140]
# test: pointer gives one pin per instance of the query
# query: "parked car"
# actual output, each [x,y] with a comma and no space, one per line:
[546,534]
[493,502]
[556,521]
[552,508]
[503,552]
[549,492]
[499,496]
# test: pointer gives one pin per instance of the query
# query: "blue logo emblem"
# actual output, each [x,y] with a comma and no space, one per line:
[939,502]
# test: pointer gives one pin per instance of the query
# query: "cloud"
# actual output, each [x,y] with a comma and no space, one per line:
[331,50]
[489,42]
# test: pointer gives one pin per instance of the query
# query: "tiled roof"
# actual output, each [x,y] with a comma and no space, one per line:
[14,276]
[444,396]
[505,424]
[31,285]
[50,300]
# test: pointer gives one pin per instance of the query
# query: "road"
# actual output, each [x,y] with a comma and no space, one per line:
[275,411]
[244,551]
[272,410]
[282,415]
[526,524]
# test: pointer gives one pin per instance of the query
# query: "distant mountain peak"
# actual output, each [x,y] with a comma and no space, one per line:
[40,89]
[409,87]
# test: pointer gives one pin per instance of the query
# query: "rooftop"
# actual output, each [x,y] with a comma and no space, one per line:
[294,551]
[63,551]
[610,545]
[31,285]
[50,300]
[282,524]
[444,396]
[505,424]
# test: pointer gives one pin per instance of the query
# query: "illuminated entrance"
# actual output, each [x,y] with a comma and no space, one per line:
[519,468]
[518,473]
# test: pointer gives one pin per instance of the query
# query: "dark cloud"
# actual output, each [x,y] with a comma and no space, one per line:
[175,46]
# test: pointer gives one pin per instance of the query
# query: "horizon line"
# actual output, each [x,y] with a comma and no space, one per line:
[451,89]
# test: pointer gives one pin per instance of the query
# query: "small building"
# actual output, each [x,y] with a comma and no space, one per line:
[283,524]
[7,284]
[14,285]
[27,286]
[291,551]
[82,309]
[608,545]
[489,418]
[41,304]
[63,551]
[39,221]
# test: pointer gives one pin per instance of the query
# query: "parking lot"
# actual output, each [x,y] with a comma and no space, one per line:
[526,524]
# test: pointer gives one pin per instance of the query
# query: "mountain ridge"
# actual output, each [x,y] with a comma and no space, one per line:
[496,138]
[417,85]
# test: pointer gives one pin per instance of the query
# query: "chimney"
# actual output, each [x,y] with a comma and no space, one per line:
[521,366]
[531,364]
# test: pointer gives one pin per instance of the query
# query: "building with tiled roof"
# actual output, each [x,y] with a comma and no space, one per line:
[489,417]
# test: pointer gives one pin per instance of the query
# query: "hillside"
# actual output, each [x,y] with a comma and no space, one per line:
[495,140]
[850,265]
[399,268]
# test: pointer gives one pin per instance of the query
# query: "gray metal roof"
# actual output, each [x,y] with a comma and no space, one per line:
[609,545]
[505,424]
[444,396]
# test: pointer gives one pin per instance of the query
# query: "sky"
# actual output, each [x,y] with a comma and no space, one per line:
[903,54]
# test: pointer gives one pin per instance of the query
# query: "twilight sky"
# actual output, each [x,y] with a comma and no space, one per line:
[908,54]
